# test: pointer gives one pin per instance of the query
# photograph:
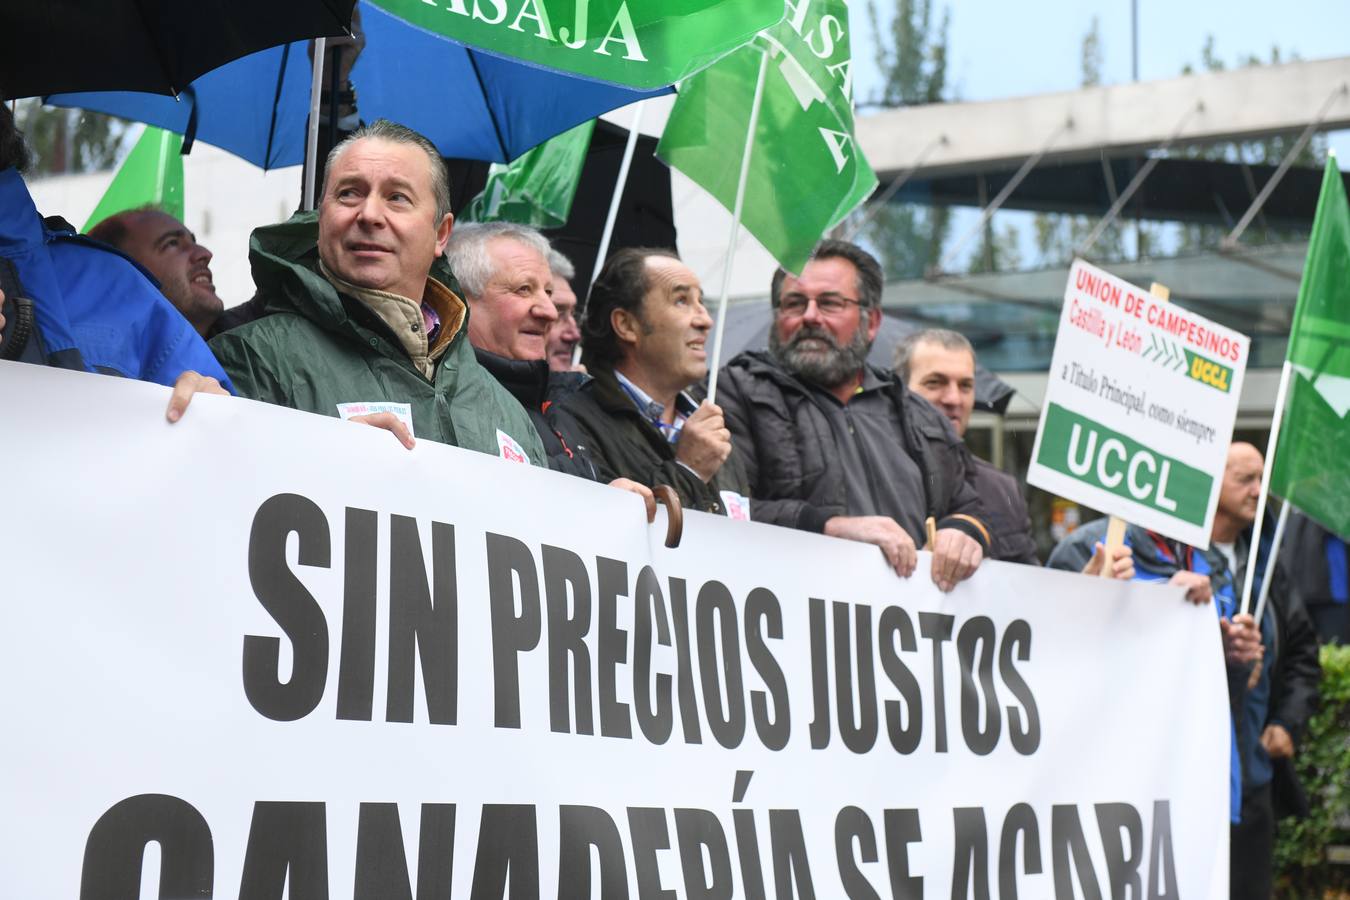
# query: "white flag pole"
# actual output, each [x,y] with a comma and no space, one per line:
[715,361]
[634,132]
[1271,560]
[1271,447]
[312,137]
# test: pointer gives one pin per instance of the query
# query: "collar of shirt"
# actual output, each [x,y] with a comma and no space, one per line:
[653,411]
[431,321]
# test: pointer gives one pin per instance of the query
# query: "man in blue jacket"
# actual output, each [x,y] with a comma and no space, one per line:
[74,303]
[1273,672]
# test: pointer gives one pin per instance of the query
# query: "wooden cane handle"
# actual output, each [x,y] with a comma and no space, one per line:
[664,493]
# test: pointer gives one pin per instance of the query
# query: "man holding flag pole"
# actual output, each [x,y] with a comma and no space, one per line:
[1308,468]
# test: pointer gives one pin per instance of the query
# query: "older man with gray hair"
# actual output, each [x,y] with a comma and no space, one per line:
[503,269]
[565,334]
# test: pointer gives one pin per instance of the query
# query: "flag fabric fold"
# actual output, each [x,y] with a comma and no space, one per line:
[152,174]
[1312,463]
[806,170]
[537,188]
[637,43]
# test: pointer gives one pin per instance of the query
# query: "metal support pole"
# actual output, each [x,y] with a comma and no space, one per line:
[307,202]
[1135,183]
[1134,40]
[1231,241]
[1109,177]
[1002,197]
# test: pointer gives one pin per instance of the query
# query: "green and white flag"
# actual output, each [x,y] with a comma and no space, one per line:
[151,174]
[638,43]
[806,171]
[1312,462]
[537,188]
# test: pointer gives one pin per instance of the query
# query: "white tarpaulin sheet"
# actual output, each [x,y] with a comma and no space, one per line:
[262,653]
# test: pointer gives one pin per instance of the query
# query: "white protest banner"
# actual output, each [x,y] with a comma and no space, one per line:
[261,653]
[1139,407]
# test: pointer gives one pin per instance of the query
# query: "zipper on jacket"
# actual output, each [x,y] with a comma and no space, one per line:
[867,465]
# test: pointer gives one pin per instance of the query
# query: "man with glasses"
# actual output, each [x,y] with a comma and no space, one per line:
[833,445]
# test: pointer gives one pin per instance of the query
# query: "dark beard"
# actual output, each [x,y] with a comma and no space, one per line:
[826,368]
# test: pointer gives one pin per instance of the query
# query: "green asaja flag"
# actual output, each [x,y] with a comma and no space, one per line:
[536,188]
[806,171]
[638,43]
[1312,460]
[151,174]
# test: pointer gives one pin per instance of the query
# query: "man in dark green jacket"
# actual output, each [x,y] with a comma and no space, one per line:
[361,322]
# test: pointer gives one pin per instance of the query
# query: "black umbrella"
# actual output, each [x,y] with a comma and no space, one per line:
[748,329]
[155,46]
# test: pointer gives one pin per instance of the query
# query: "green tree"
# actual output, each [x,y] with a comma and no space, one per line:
[1301,863]
[999,249]
[67,141]
[1091,60]
[911,55]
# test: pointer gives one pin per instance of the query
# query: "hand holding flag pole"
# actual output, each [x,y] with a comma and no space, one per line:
[1306,466]
[1271,447]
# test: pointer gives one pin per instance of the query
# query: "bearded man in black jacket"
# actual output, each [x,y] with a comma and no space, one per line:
[834,445]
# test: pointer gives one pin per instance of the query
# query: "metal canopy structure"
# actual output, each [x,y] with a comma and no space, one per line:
[1200,191]
[1117,120]
[1133,151]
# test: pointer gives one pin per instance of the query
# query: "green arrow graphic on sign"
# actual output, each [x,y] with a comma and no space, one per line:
[1165,353]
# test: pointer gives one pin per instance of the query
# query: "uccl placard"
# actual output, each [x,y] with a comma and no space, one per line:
[1139,406]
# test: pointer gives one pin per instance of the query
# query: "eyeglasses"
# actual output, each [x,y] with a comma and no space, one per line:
[794,305]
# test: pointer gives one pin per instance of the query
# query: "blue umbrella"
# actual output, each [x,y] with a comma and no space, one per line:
[471,104]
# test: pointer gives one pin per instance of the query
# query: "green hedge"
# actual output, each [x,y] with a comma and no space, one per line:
[1324,766]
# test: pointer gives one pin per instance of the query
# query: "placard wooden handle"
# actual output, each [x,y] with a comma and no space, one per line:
[664,493]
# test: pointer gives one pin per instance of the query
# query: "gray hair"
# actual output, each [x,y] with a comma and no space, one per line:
[560,265]
[467,251]
[948,340]
[385,130]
